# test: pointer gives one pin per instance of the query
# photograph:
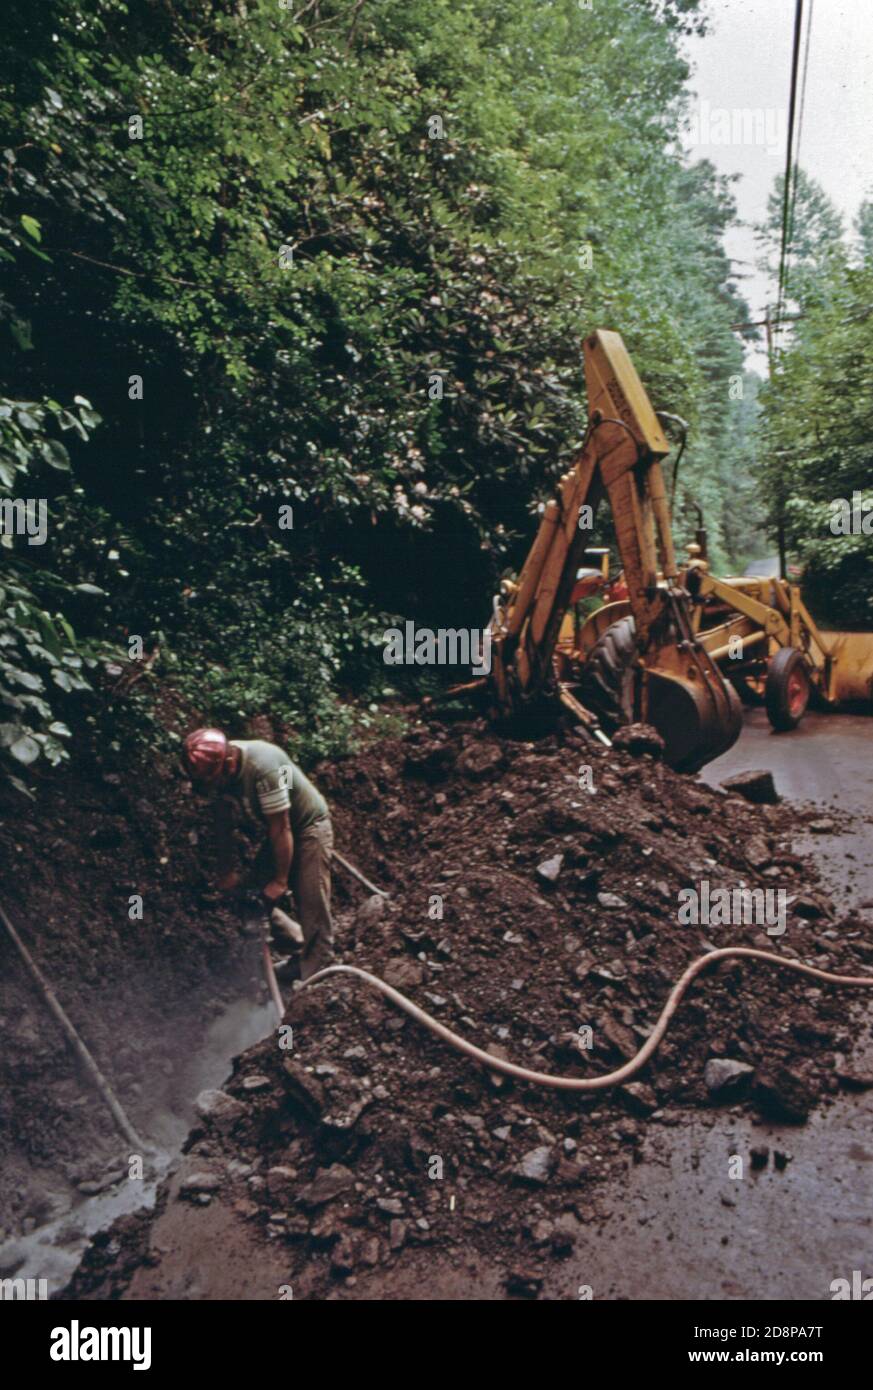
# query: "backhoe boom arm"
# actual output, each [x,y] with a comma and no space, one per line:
[620,459]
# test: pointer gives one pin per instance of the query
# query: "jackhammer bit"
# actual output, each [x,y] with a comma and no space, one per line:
[257,912]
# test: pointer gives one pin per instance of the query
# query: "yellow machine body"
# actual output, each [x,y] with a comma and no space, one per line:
[851,667]
[761,616]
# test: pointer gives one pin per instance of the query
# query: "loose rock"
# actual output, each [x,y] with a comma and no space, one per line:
[723,1076]
[757,787]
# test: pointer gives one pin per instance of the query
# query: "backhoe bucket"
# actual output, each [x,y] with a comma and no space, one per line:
[697,720]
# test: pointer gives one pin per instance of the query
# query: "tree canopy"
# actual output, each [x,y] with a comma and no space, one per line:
[303,287]
[817,421]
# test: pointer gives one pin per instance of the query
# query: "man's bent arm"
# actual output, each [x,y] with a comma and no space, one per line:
[282,846]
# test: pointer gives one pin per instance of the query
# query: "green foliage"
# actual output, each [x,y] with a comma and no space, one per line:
[41,660]
[330,213]
[817,425]
[291,667]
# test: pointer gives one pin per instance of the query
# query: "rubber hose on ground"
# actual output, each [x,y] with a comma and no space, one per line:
[621,1074]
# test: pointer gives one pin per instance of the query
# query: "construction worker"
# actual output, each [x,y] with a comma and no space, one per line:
[299,835]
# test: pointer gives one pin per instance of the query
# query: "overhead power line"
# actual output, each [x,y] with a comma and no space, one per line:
[799,139]
[790,163]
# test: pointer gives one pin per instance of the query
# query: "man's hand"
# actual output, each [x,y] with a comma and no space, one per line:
[228,882]
[275,890]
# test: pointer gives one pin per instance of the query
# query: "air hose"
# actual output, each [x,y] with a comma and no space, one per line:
[621,1074]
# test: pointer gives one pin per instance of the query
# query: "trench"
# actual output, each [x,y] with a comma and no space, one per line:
[52,1250]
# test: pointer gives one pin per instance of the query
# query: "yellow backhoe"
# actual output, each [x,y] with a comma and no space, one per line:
[670,650]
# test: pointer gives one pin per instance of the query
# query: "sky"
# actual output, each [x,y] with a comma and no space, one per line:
[744,65]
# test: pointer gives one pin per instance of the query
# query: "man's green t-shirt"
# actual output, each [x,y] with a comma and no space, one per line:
[268,781]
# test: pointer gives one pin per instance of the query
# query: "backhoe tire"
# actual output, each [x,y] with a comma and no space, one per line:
[606,682]
[788,689]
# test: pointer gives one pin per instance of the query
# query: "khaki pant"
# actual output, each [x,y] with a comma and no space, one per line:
[310,884]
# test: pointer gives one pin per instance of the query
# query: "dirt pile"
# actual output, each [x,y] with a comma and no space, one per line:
[535,895]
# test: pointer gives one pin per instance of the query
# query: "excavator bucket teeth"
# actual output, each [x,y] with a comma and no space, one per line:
[697,722]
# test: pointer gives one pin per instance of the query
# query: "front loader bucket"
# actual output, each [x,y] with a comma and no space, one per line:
[697,720]
[851,678]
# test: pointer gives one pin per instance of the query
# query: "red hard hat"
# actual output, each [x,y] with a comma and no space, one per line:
[204,753]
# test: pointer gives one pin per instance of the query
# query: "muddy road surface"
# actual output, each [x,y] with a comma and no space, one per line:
[522,907]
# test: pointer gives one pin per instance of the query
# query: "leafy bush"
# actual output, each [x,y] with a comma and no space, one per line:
[246,656]
[41,660]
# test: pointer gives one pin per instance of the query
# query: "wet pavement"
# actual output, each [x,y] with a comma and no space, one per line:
[683,1228]
[828,760]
